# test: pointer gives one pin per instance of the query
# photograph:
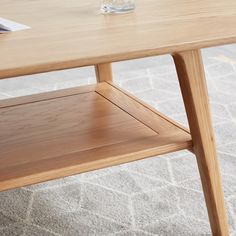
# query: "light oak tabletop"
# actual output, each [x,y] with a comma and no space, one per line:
[73,33]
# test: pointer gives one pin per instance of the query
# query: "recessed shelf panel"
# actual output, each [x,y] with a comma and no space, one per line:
[57,134]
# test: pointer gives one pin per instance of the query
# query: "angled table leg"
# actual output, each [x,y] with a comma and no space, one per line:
[194,90]
[103,72]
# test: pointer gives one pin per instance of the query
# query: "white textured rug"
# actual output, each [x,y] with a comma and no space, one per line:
[156,196]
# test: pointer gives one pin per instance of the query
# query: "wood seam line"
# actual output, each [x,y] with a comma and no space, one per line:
[43,99]
[127,112]
[146,106]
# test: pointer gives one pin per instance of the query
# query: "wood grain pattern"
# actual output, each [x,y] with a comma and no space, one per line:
[73,33]
[163,116]
[137,110]
[61,136]
[88,160]
[193,85]
[103,72]
[47,96]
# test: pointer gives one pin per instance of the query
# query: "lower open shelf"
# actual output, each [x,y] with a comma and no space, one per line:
[61,133]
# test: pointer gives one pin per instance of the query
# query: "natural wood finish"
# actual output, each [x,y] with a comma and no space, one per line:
[135,108]
[103,72]
[75,33]
[47,96]
[78,132]
[193,86]
[149,107]
[152,109]
[57,134]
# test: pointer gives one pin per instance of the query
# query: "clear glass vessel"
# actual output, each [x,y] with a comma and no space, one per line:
[117,6]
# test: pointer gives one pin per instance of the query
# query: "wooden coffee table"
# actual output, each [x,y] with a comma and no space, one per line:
[61,133]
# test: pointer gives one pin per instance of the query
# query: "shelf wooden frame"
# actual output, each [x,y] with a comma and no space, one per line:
[57,134]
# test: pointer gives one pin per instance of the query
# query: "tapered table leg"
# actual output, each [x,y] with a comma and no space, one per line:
[103,72]
[194,90]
